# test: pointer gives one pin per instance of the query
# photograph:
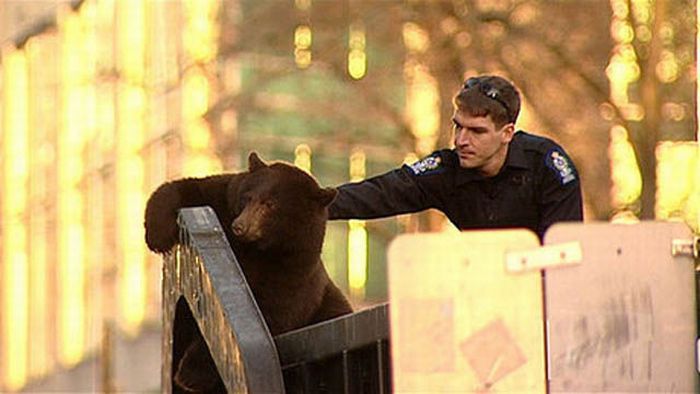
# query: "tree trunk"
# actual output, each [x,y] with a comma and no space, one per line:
[646,137]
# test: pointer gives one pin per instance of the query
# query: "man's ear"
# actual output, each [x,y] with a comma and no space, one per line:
[508,132]
[326,195]
[254,162]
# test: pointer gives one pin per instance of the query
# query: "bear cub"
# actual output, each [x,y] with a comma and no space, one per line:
[274,216]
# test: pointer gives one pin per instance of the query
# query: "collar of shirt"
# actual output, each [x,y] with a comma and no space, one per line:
[516,158]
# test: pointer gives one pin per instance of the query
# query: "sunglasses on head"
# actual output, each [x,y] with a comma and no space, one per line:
[487,90]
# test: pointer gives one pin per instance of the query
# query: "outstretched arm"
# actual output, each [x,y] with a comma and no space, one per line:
[396,192]
[163,205]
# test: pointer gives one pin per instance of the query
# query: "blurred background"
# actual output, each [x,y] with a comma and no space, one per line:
[103,100]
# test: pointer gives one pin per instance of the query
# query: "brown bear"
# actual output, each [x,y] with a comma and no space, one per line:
[274,216]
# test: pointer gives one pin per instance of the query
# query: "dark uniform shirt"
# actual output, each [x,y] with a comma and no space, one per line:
[537,186]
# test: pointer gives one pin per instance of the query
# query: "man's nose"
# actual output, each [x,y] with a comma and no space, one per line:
[462,137]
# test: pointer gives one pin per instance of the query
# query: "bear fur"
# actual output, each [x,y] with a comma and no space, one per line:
[274,216]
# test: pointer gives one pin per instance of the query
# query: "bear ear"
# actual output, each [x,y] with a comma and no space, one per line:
[254,162]
[326,195]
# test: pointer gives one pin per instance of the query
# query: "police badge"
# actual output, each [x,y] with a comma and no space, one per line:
[427,164]
[557,161]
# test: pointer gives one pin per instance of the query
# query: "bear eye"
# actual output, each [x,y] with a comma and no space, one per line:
[244,200]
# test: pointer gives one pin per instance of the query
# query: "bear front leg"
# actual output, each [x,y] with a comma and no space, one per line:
[333,304]
[161,218]
[196,371]
[163,205]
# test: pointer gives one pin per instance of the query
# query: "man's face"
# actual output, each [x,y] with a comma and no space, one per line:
[479,143]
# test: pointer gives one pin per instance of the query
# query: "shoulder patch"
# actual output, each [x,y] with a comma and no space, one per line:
[557,161]
[427,165]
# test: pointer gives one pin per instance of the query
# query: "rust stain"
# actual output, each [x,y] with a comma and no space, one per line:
[493,353]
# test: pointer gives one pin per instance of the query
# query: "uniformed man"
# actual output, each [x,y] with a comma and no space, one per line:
[494,177]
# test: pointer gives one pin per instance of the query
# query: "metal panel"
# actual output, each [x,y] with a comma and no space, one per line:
[459,321]
[625,318]
[345,354]
[331,337]
[204,271]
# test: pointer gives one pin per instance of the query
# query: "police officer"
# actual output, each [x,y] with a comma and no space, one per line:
[494,177]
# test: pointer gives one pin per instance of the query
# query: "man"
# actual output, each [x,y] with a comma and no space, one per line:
[494,177]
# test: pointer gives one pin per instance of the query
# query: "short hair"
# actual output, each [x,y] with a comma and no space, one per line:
[489,95]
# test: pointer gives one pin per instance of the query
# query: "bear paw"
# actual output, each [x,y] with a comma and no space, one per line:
[162,232]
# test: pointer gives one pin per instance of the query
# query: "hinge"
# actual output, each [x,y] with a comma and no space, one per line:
[547,256]
[697,355]
[685,247]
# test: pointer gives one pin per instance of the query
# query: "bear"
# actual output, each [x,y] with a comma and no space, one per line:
[274,216]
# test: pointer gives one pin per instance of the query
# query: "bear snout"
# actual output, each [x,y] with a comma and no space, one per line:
[238,229]
[246,231]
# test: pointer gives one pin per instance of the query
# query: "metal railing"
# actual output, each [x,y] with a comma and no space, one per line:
[205,293]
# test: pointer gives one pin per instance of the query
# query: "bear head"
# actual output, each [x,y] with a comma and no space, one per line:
[279,208]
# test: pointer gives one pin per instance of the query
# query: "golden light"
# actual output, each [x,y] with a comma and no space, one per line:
[198,137]
[642,10]
[40,220]
[463,39]
[357,256]
[195,98]
[131,112]
[620,8]
[201,47]
[677,195]
[199,161]
[71,256]
[357,64]
[524,15]
[357,165]
[673,111]
[73,145]
[195,103]
[302,157]
[666,32]
[357,234]
[200,32]
[303,5]
[422,95]
[302,57]
[628,54]
[410,158]
[422,106]
[644,33]
[200,164]
[131,45]
[625,175]
[302,36]
[632,111]
[622,31]
[15,270]
[302,46]
[415,38]
[623,70]
[667,69]
[357,57]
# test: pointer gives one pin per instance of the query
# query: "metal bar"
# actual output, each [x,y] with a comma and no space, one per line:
[380,365]
[548,256]
[205,272]
[329,338]
[346,374]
